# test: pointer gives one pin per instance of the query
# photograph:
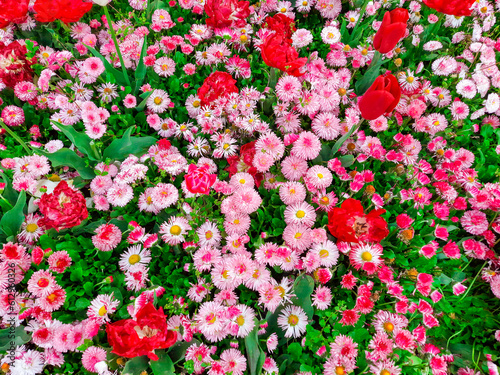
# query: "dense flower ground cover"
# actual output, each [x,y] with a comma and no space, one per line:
[224,187]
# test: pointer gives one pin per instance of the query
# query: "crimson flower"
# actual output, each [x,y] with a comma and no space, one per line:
[349,223]
[131,338]
[65,207]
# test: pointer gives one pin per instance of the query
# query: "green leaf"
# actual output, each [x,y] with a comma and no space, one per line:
[9,193]
[324,155]
[347,160]
[295,350]
[371,74]
[67,157]
[119,77]
[255,354]
[80,140]
[177,352]
[342,139]
[82,303]
[12,337]
[140,72]
[164,365]
[12,220]
[86,344]
[121,148]
[145,98]
[136,365]
[304,286]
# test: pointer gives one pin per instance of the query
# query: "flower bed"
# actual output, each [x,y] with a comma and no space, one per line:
[225,187]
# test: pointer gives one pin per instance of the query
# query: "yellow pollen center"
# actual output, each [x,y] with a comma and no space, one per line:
[158,100]
[31,227]
[175,230]
[102,311]
[300,214]
[389,327]
[196,103]
[366,256]
[209,235]
[410,79]
[339,370]
[293,320]
[240,320]
[133,259]
[242,181]
[323,253]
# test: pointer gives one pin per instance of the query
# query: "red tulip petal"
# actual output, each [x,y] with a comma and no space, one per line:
[374,104]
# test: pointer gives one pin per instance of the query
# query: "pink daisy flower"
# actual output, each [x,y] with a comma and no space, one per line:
[107,237]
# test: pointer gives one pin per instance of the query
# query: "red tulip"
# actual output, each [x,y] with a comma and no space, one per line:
[452,7]
[198,180]
[391,31]
[277,52]
[382,97]
[65,10]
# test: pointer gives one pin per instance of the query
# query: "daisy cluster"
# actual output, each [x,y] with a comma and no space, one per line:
[228,187]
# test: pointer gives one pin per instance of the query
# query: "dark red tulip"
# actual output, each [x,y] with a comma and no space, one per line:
[452,7]
[382,97]
[391,31]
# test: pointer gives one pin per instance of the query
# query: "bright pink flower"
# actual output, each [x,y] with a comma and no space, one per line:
[198,180]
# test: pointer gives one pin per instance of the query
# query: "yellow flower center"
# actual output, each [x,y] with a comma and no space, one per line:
[242,181]
[158,100]
[339,370]
[209,235]
[102,311]
[410,79]
[211,318]
[31,227]
[196,103]
[300,214]
[240,320]
[133,259]
[175,230]
[323,253]
[293,320]
[389,327]
[366,256]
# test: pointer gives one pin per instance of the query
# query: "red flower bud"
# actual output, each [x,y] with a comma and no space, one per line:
[391,31]
[382,97]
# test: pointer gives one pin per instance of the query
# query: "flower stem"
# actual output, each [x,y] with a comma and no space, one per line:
[473,281]
[113,35]
[16,137]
